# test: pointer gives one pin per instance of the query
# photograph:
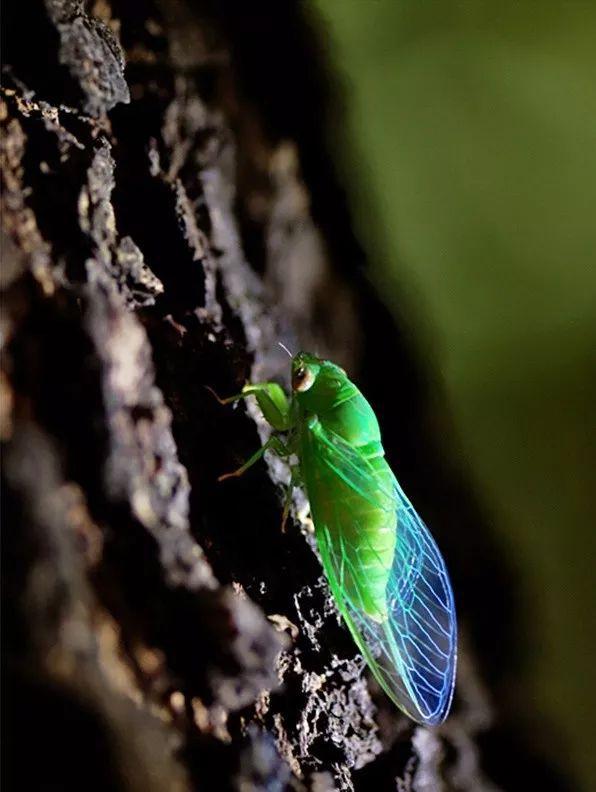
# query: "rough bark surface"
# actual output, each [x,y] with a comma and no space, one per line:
[163,227]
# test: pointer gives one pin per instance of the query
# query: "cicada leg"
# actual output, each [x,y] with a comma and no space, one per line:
[271,399]
[277,410]
[274,444]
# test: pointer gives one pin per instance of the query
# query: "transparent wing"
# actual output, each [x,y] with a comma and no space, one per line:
[412,653]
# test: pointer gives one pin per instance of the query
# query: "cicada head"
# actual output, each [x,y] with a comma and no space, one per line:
[318,384]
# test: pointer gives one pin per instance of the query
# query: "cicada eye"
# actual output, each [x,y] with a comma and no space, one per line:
[302,379]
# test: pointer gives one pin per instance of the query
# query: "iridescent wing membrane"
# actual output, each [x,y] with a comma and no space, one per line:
[412,653]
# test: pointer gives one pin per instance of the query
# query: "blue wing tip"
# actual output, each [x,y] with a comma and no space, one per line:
[440,708]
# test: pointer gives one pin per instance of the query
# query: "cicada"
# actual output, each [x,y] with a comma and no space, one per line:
[384,568]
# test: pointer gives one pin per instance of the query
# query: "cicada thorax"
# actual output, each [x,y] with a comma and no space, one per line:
[360,523]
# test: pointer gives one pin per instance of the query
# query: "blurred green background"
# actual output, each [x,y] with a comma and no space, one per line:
[470,154]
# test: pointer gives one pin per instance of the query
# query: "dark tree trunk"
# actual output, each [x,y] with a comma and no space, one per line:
[164,227]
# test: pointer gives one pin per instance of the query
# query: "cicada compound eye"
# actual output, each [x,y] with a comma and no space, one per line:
[302,379]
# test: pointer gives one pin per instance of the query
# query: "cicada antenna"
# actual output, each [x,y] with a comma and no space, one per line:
[285,349]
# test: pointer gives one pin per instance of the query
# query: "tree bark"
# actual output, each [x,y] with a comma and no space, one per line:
[164,227]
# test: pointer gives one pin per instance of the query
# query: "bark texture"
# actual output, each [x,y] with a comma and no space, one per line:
[163,227]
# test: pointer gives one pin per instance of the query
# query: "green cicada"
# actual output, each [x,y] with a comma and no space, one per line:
[384,568]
